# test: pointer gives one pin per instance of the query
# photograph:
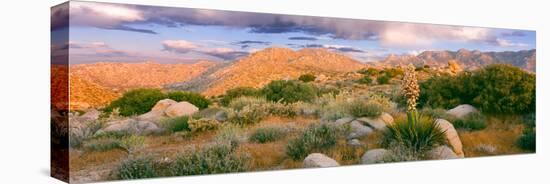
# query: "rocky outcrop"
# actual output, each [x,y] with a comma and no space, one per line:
[358,130]
[451,135]
[462,111]
[131,126]
[181,109]
[319,160]
[374,156]
[441,153]
[378,123]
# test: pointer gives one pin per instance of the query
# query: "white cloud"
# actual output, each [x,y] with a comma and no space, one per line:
[181,46]
[103,15]
[506,43]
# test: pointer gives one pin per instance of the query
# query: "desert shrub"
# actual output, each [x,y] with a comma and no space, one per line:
[496,89]
[101,144]
[383,79]
[238,92]
[362,108]
[527,140]
[267,134]
[249,114]
[327,89]
[230,133]
[177,124]
[194,98]
[473,121]
[307,77]
[318,137]
[241,102]
[365,80]
[305,109]
[79,134]
[203,124]
[369,71]
[211,159]
[289,91]
[279,109]
[401,153]
[393,72]
[137,168]
[136,101]
[417,137]
[132,143]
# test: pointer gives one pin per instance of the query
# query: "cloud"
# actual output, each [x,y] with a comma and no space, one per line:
[303,38]
[513,34]
[341,48]
[96,48]
[183,47]
[246,43]
[59,17]
[506,43]
[179,46]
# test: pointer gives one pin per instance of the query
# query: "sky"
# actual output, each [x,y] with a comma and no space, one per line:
[104,32]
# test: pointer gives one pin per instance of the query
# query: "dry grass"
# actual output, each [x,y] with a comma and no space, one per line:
[500,133]
[79,161]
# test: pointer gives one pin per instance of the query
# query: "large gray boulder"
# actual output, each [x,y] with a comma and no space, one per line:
[162,105]
[131,126]
[319,160]
[374,156]
[358,130]
[451,135]
[90,115]
[181,109]
[462,110]
[343,121]
[378,123]
[441,153]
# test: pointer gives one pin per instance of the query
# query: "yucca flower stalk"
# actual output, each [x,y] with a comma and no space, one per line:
[411,90]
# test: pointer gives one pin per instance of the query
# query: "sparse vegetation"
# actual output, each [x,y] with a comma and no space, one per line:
[137,168]
[177,124]
[267,134]
[365,80]
[317,137]
[238,92]
[203,124]
[383,79]
[211,159]
[361,108]
[307,77]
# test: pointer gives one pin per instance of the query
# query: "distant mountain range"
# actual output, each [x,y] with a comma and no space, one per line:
[98,83]
[469,60]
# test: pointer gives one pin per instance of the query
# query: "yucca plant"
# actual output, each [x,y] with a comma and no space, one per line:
[416,133]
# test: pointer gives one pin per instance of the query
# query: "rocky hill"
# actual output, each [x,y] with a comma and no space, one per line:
[467,59]
[262,67]
[85,94]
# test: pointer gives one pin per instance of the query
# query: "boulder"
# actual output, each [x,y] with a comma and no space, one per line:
[162,105]
[374,156]
[221,116]
[358,130]
[451,135]
[441,153]
[153,116]
[181,109]
[91,115]
[343,121]
[319,160]
[131,126]
[462,110]
[378,123]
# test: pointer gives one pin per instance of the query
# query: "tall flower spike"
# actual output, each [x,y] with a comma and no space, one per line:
[411,90]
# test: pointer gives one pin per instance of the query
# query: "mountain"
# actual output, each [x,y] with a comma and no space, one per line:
[261,67]
[467,59]
[85,94]
[123,76]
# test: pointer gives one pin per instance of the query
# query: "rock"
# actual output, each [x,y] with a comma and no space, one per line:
[162,105]
[378,123]
[374,156]
[355,143]
[180,109]
[221,116]
[319,160]
[451,135]
[343,121]
[131,126]
[91,115]
[441,153]
[358,130]
[153,116]
[462,110]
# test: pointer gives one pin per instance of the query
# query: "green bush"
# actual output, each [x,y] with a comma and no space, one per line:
[249,114]
[327,89]
[369,71]
[365,80]
[473,121]
[194,98]
[136,101]
[495,89]
[363,108]
[177,124]
[203,124]
[137,168]
[437,113]
[393,72]
[307,77]
[238,92]
[318,137]
[211,159]
[383,79]
[101,144]
[267,134]
[241,102]
[416,137]
[527,140]
[279,109]
[289,91]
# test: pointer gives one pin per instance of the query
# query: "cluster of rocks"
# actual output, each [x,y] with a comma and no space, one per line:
[362,127]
